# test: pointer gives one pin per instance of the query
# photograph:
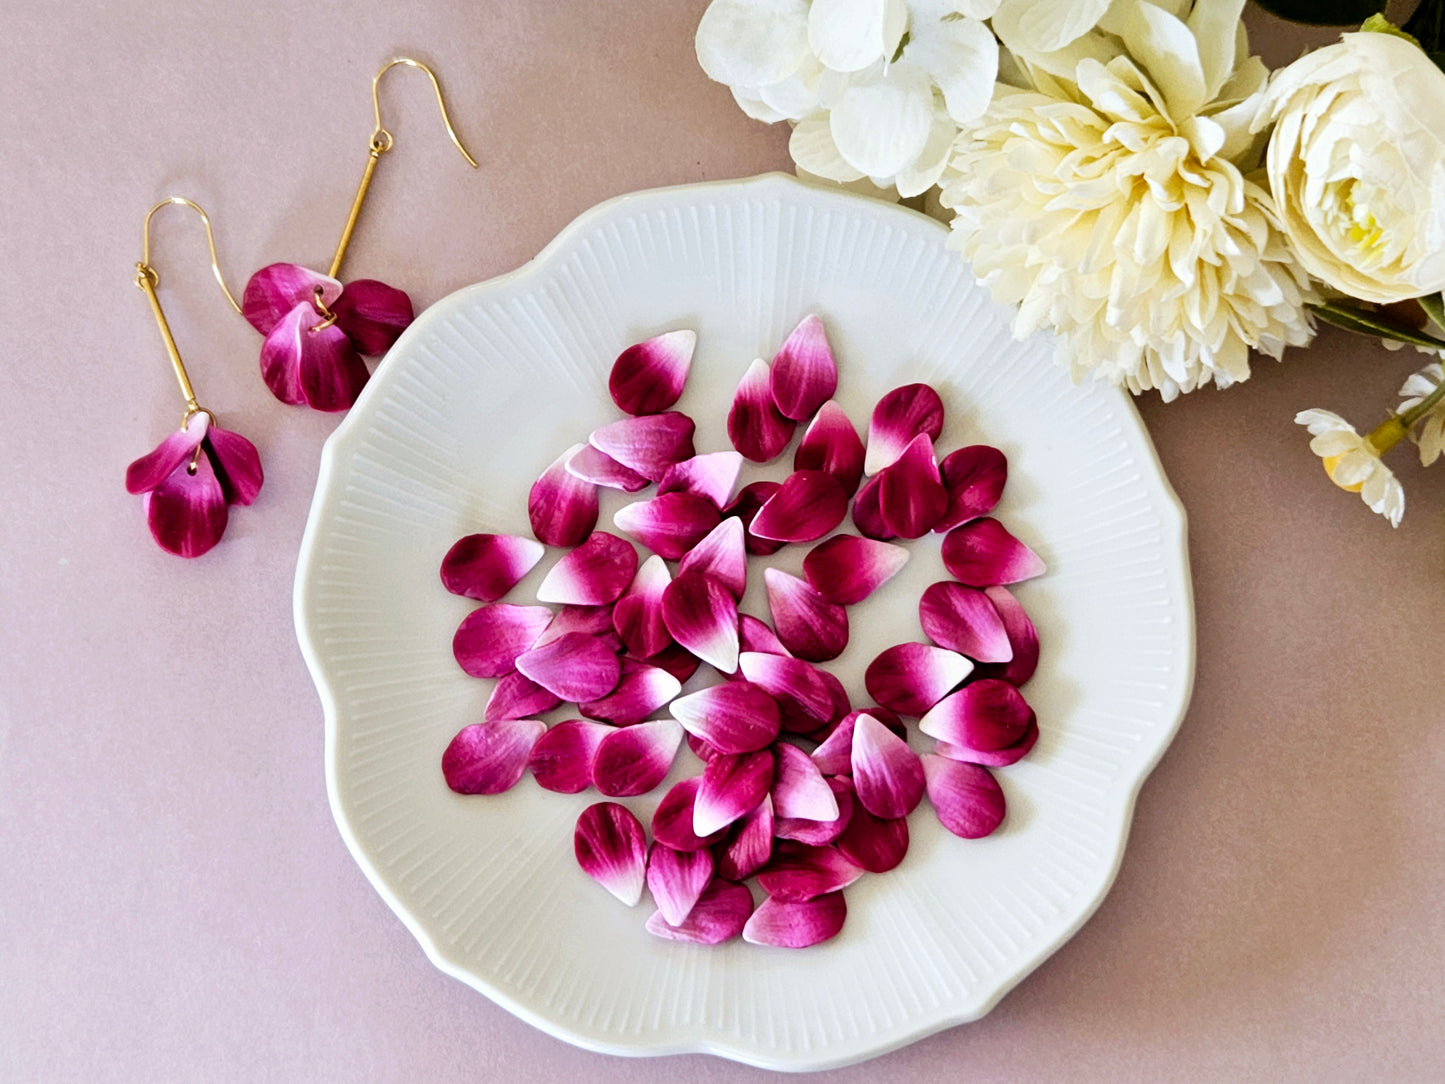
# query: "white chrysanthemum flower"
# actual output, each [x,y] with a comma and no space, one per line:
[1115,205]
[1430,436]
[1353,463]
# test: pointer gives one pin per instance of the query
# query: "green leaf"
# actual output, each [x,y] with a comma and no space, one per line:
[1324,12]
[1434,307]
[1374,325]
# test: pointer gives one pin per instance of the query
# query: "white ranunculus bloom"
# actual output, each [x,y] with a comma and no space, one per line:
[1357,165]
[1117,207]
[1353,463]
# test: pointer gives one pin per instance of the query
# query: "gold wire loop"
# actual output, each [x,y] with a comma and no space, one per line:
[329,317]
[381,139]
[145,269]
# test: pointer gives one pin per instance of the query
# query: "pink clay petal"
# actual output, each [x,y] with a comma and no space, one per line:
[669,525]
[490,638]
[722,555]
[672,820]
[795,684]
[561,760]
[487,566]
[834,755]
[719,915]
[649,444]
[756,635]
[755,427]
[593,574]
[975,478]
[799,790]
[677,661]
[186,513]
[1023,638]
[985,714]
[488,758]
[702,616]
[373,315]
[648,377]
[712,476]
[612,850]
[237,464]
[901,415]
[701,749]
[806,506]
[517,696]
[886,773]
[967,798]
[170,455]
[847,569]
[562,508]
[575,667]
[867,513]
[993,758]
[595,621]
[733,717]
[747,847]
[637,616]
[809,625]
[732,786]
[876,844]
[911,678]
[676,880]
[641,690]
[819,833]
[831,444]
[983,554]
[802,872]
[796,925]
[804,374]
[963,619]
[744,507]
[329,371]
[277,289]
[911,497]
[633,759]
[599,468]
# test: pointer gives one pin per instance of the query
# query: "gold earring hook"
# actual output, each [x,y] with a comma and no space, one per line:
[381,142]
[147,280]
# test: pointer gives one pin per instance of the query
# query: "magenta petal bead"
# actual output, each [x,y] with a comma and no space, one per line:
[799,790]
[517,696]
[648,377]
[975,478]
[875,843]
[593,574]
[236,463]
[575,667]
[186,512]
[985,714]
[804,374]
[673,819]
[984,554]
[561,507]
[733,717]
[561,760]
[755,426]
[719,915]
[868,513]
[677,879]
[373,315]
[1023,639]
[748,844]
[599,468]
[274,291]
[649,444]
[612,850]
[731,787]
[911,678]
[633,759]
[911,497]
[487,566]
[900,416]
[809,626]
[963,619]
[641,690]
[702,616]
[669,525]
[802,872]
[847,569]
[712,476]
[723,555]
[488,758]
[806,506]
[886,773]
[637,616]
[967,798]
[490,638]
[305,362]
[831,444]
[796,925]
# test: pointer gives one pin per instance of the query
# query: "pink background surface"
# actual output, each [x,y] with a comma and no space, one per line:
[175,901]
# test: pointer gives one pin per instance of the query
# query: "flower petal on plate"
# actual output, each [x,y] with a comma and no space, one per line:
[745,508]
[746,848]
[488,758]
[237,464]
[633,759]
[911,497]
[719,915]
[574,666]
[799,872]
[754,425]
[676,660]
[756,635]
[670,524]
[808,505]
[711,475]
[723,555]
[799,790]
[153,468]
[911,678]
[490,638]
[886,773]
[593,574]
[847,569]
[562,507]
[702,616]
[799,687]
[967,798]
[593,620]
[612,850]
[796,925]
[517,696]
[819,833]
[648,377]
[985,714]
[804,374]
[676,880]
[975,478]
[733,717]
[641,690]
[834,755]
[963,619]
[901,415]
[874,843]
[1022,637]
[637,616]
[672,820]
[993,758]
[831,444]
[984,554]
[561,760]
[867,513]
[649,444]
[732,785]
[487,566]
[373,315]
[809,625]
[275,290]
[599,468]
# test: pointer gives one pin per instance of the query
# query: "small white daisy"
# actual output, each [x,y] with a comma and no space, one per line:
[1430,437]
[1353,462]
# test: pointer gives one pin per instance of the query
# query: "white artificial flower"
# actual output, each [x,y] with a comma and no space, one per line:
[1430,436]
[1353,463]
[1116,206]
[1357,165]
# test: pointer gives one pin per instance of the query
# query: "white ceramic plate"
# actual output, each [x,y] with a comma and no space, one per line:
[492,383]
